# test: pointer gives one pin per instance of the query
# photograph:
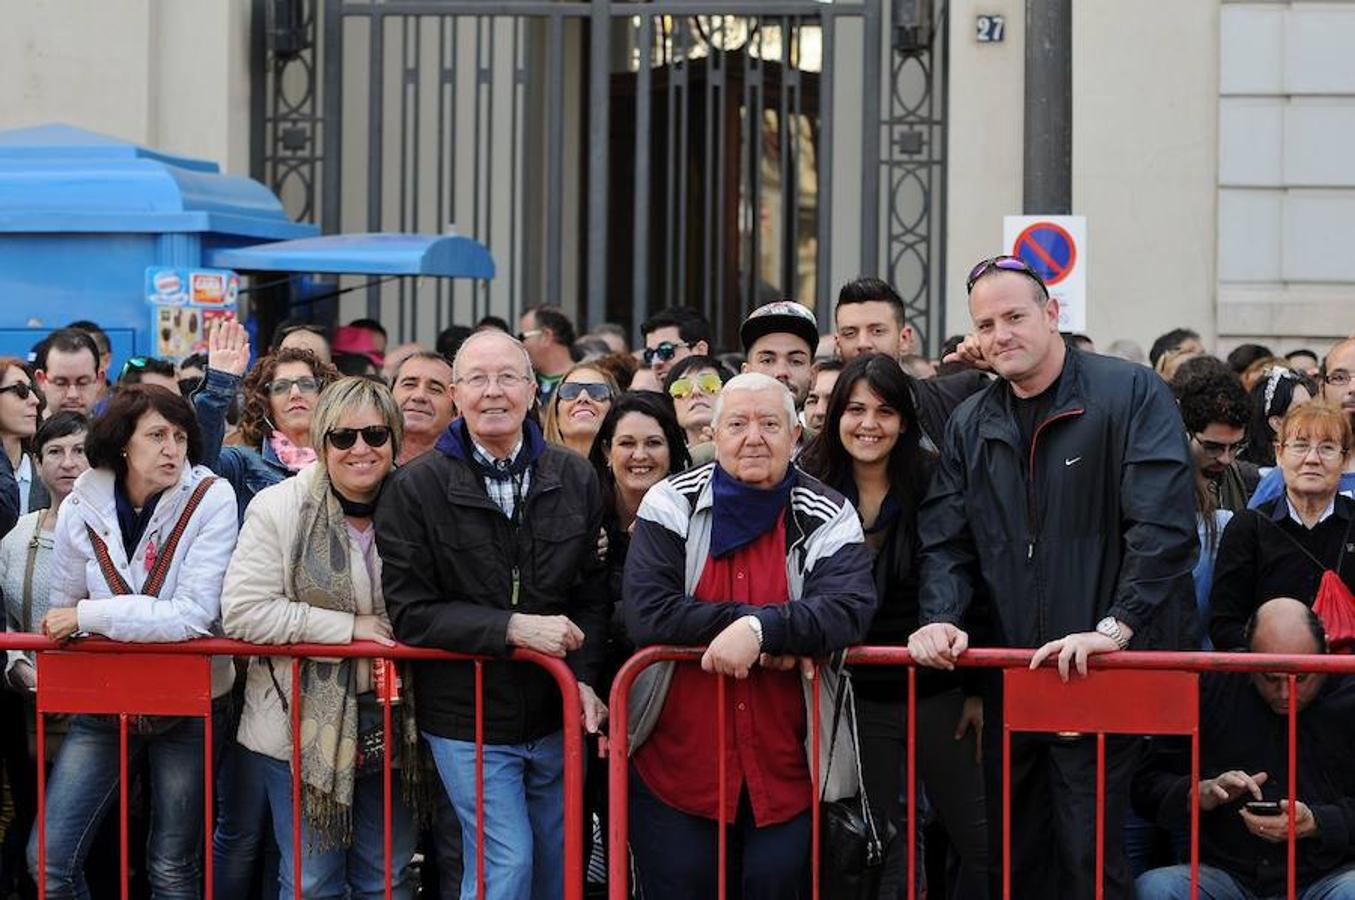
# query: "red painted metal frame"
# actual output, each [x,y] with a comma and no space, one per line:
[99,676]
[1060,716]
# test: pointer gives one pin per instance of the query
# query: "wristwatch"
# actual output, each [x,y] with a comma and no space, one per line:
[755,625]
[1111,629]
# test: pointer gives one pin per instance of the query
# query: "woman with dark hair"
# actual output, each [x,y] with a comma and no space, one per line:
[20,412]
[869,449]
[139,555]
[1271,398]
[280,393]
[694,382]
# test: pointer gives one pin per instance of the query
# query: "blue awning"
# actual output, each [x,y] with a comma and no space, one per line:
[439,255]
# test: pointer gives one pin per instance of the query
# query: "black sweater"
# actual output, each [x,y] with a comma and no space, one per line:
[1239,731]
[1262,556]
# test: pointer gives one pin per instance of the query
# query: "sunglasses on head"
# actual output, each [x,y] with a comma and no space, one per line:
[706,383]
[1006,264]
[596,390]
[664,352]
[21,389]
[344,438]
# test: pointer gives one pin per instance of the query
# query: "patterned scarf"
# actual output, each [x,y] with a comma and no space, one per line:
[329,704]
[290,455]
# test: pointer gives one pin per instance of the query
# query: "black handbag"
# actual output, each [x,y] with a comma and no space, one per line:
[851,847]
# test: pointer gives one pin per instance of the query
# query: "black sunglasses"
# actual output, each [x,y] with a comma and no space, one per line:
[665,351]
[572,390]
[22,389]
[344,438]
[1006,264]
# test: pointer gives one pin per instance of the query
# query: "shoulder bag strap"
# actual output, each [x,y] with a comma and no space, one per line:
[155,579]
[1340,557]
[112,577]
[31,563]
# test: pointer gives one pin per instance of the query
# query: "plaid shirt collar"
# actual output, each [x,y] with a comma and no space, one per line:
[506,493]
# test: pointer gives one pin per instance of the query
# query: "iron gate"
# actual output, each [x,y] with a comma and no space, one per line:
[616,157]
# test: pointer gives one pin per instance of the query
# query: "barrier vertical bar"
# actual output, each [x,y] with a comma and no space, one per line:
[1006,812]
[1293,780]
[296,778]
[387,683]
[1195,813]
[721,849]
[911,762]
[479,779]
[41,823]
[1100,815]
[207,818]
[122,805]
[816,741]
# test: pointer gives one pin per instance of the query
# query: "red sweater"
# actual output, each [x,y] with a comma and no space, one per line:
[764,713]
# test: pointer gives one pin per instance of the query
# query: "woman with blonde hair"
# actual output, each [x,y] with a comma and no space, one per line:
[306,570]
[576,407]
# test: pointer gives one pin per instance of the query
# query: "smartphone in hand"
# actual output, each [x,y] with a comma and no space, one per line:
[1264,807]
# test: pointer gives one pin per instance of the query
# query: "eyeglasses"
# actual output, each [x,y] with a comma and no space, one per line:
[1217,448]
[664,352]
[1327,451]
[706,383]
[1006,264]
[281,387]
[344,438]
[20,389]
[596,390]
[1339,378]
[506,381]
[523,335]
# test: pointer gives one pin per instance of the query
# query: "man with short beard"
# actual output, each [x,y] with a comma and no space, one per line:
[422,388]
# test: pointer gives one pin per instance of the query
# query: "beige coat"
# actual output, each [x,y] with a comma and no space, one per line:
[255,608]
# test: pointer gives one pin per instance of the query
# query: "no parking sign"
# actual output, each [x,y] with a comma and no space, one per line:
[1056,247]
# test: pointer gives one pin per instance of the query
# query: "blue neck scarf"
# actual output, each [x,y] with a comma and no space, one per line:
[131,523]
[743,513]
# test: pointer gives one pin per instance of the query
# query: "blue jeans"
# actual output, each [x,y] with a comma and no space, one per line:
[241,824]
[524,815]
[83,788]
[357,871]
[1173,883]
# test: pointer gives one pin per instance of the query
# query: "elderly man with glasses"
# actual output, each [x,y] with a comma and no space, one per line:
[489,543]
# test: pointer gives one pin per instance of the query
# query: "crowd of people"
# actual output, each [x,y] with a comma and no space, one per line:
[572,495]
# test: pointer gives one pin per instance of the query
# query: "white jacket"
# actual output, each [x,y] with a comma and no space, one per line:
[189,603]
[256,608]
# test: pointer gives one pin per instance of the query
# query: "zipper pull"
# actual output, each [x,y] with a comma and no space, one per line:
[517,584]
[1030,551]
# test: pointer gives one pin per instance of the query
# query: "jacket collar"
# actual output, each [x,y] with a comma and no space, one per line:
[94,490]
[996,418]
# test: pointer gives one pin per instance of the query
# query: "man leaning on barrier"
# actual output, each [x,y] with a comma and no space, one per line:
[489,543]
[765,564]
[1063,500]
[1244,758]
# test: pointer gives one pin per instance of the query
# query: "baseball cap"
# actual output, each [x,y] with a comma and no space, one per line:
[780,316]
[355,340]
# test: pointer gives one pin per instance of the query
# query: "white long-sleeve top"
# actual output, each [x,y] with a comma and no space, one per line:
[189,602]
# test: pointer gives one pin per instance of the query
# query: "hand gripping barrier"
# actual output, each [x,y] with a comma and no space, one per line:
[130,680]
[1135,693]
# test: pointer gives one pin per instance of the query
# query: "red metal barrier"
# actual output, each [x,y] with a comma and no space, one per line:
[98,676]
[1135,693]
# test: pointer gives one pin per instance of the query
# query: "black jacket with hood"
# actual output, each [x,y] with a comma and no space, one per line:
[449,555]
[1095,518]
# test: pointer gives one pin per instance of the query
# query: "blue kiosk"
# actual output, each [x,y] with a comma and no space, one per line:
[151,246]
